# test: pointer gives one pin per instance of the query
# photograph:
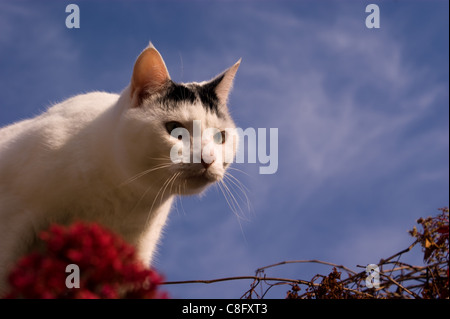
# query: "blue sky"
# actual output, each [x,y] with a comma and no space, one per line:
[362,116]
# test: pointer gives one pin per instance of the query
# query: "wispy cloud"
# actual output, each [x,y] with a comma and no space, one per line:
[346,112]
[347,106]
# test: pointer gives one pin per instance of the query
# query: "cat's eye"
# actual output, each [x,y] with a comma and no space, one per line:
[170,126]
[219,137]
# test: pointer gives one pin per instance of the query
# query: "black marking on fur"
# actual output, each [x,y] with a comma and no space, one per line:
[179,92]
[208,96]
[190,93]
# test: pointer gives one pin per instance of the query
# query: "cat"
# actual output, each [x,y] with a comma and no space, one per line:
[104,158]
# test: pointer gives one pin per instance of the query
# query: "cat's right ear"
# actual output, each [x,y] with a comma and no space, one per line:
[150,75]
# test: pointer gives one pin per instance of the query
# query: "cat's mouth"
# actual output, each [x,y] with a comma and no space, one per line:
[201,176]
[212,177]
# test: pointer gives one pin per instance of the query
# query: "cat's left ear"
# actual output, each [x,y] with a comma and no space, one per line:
[224,82]
[150,75]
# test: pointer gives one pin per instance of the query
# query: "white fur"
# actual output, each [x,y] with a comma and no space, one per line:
[95,157]
[74,162]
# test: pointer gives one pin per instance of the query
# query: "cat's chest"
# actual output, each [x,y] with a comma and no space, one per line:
[129,215]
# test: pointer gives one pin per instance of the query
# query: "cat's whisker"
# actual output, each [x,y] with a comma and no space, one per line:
[178,200]
[225,195]
[179,197]
[231,200]
[141,198]
[226,191]
[141,174]
[237,183]
[168,180]
[165,158]
[237,180]
[229,188]
[238,170]
[171,181]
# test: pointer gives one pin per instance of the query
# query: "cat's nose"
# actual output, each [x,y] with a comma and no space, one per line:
[208,155]
[206,165]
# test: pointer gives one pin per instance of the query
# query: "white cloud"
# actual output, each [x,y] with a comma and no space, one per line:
[330,129]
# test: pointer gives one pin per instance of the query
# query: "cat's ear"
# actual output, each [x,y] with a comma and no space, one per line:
[224,82]
[150,75]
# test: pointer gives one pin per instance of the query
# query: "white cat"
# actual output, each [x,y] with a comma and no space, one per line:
[104,158]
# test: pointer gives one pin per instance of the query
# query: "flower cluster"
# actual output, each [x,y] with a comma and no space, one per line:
[108,267]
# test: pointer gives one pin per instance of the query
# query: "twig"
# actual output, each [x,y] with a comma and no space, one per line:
[306,261]
[401,286]
[385,260]
[258,278]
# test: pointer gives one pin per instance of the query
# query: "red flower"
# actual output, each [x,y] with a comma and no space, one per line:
[108,267]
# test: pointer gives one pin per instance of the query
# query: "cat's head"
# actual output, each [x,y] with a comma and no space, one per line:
[181,134]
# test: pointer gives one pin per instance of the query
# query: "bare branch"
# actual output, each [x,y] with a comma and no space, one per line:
[258,278]
[306,261]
